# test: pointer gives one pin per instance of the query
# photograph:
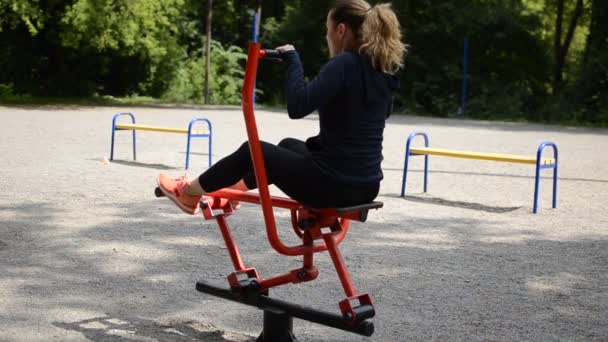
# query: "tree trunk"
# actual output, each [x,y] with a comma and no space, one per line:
[561,50]
[592,87]
[557,46]
[598,30]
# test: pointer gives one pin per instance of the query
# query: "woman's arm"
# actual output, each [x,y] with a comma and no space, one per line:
[304,97]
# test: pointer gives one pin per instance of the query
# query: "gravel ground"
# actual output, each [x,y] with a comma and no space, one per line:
[87,253]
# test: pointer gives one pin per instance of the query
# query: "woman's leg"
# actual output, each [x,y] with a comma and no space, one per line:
[290,168]
[291,171]
[236,170]
[239,166]
[294,145]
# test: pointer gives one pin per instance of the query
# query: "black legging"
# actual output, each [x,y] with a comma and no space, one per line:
[290,167]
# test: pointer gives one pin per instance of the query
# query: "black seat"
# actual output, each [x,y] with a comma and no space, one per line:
[357,212]
[366,206]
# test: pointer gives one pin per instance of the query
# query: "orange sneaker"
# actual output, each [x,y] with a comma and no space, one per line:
[173,189]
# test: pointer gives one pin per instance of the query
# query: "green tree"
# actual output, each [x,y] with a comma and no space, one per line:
[303,25]
[82,47]
[591,90]
[507,63]
[21,12]
[143,31]
[521,52]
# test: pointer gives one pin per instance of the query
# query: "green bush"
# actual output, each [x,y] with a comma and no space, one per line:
[6,91]
[9,95]
[498,101]
[225,77]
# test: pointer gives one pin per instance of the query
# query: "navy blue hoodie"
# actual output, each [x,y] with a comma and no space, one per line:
[353,100]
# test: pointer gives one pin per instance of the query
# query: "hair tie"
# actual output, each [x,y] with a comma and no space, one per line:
[371,8]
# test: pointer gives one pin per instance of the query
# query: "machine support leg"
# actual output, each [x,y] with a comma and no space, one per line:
[278,327]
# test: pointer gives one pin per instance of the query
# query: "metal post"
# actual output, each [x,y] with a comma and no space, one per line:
[407,158]
[278,327]
[536,186]
[208,50]
[116,116]
[257,16]
[465,65]
[256,22]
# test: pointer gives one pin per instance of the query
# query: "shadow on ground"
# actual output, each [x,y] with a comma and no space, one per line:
[458,279]
[144,165]
[455,204]
[112,329]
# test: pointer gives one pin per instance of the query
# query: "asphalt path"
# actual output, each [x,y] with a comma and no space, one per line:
[87,253]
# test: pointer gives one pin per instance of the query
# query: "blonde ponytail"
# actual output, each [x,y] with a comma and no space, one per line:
[381,39]
[377,32]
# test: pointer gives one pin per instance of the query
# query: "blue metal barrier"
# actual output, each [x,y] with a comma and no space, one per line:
[116,116]
[407,159]
[208,135]
[540,167]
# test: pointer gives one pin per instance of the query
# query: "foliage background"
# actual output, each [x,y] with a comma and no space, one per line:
[88,48]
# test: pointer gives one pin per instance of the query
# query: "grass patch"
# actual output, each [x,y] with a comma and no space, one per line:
[28,100]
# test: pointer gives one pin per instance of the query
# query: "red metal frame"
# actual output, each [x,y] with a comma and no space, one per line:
[307,223]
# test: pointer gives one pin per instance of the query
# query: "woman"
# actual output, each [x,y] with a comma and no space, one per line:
[353,92]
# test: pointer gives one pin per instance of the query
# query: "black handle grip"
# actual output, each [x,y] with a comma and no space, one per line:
[272,54]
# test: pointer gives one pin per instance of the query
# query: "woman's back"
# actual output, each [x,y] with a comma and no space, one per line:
[349,146]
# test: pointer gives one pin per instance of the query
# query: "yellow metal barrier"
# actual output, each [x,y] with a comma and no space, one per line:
[511,158]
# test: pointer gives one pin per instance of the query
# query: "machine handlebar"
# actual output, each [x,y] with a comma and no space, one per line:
[271,54]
